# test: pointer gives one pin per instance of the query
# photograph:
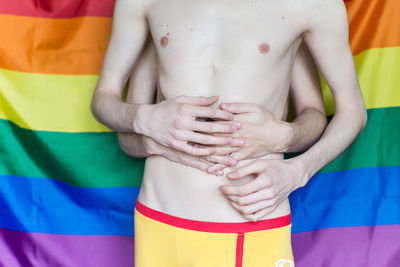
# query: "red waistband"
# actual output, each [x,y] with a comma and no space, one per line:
[213,227]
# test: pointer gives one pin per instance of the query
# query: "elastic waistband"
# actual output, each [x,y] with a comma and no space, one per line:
[213,227]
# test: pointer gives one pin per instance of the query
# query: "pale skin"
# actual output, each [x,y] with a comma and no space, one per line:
[198,57]
[266,136]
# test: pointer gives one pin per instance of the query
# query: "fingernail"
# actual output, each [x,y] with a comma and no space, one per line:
[220,173]
[228,140]
[232,162]
[240,142]
[237,124]
[233,129]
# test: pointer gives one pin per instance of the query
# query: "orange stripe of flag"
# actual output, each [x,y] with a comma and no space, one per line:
[373,24]
[63,46]
[77,45]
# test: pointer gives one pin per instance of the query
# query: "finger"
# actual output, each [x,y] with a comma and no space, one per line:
[242,190]
[225,150]
[197,163]
[209,112]
[239,107]
[263,194]
[237,124]
[228,161]
[237,141]
[207,139]
[216,168]
[195,151]
[254,167]
[238,155]
[260,214]
[197,100]
[253,208]
[211,127]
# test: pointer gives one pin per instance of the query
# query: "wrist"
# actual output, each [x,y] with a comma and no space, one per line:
[151,147]
[302,171]
[288,133]
[139,119]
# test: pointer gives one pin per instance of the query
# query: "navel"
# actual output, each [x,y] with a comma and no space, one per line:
[164,41]
[264,48]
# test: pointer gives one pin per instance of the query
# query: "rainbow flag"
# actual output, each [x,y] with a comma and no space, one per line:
[349,213]
[67,191]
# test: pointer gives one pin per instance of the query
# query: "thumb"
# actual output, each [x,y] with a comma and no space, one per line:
[239,107]
[197,100]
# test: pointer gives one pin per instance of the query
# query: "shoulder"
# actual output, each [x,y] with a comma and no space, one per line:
[324,14]
[132,6]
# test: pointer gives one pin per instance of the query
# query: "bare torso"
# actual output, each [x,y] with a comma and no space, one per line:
[241,51]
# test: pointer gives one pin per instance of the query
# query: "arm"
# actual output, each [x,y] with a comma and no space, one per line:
[172,122]
[327,38]
[305,89]
[128,36]
[142,89]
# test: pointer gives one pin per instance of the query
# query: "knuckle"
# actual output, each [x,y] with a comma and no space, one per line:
[173,143]
[180,158]
[182,109]
[274,202]
[268,182]
[274,191]
[194,151]
[241,201]
[247,211]
[213,112]
[271,194]
[175,134]
[240,191]
[177,123]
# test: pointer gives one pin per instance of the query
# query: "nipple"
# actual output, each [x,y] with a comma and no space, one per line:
[164,41]
[264,48]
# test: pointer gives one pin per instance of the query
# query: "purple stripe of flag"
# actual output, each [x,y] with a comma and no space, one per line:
[53,250]
[360,246]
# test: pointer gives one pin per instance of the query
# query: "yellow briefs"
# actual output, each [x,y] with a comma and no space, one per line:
[162,240]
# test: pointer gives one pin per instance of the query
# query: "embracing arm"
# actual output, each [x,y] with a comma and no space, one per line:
[141,90]
[128,36]
[327,38]
[305,89]
[172,122]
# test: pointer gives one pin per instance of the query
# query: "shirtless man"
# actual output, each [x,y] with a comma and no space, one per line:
[241,52]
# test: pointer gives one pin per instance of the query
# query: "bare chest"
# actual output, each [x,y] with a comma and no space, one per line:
[227,30]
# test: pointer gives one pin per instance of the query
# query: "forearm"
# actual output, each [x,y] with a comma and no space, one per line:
[137,145]
[305,130]
[340,133]
[109,109]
